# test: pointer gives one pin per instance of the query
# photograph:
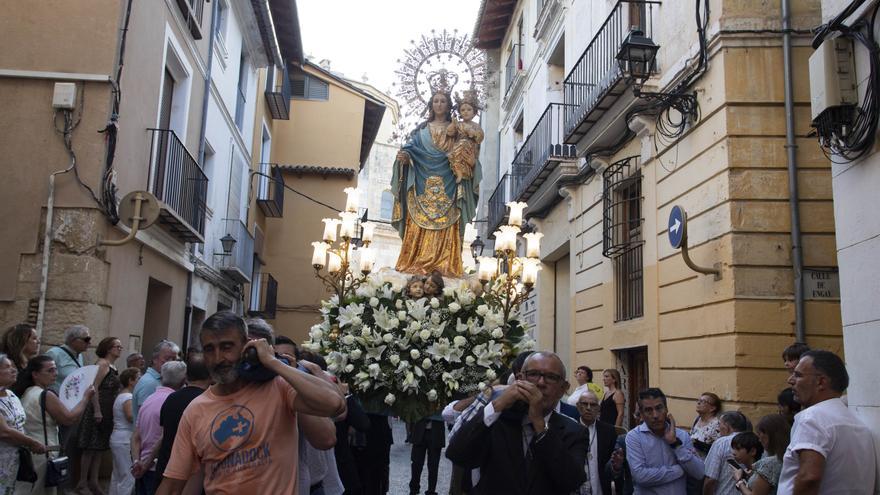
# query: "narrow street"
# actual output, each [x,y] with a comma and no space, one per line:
[400,465]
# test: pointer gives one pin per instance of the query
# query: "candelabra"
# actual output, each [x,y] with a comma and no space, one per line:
[335,252]
[519,272]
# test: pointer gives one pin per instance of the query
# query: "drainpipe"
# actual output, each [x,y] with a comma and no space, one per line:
[47,247]
[187,310]
[797,260]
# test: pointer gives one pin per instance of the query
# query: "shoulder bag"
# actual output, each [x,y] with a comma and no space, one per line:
[58,469]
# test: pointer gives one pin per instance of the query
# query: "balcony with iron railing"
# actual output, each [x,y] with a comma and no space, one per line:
[596,81]
[270,190]
[541,152]
[497,206]
[180,185]
[192,11]
[264,297]
[278,95]
[238,264]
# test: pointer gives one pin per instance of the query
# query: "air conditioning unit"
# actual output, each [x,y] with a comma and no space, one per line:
[833,93]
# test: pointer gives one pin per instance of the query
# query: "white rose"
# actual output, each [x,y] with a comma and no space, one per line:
[374,301]
[316,334]
[398,304]
[454,307]
[415,326]
[498,333]
[425,334]
[389,399]
[482,310]
[432,395]
[482,386]
[388,338]
[348,339]
[349,368]
[414,354]
[435,303]
[459,341]
[448,291]
[394,359]
[490,375]
[470,360]
[401,315]
[356,354]
[426,363]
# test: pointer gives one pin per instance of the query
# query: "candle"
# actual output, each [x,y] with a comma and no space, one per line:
[488,267]
[346,230]
[533,244]
[368,258]
[334,263]
[330,229]
[515,216]
[319,256]
[351,200]
[367,236]
[530,272]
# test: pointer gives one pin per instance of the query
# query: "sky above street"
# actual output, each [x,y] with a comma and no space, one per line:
[368,36]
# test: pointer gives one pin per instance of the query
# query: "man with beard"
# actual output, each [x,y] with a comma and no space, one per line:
[241,434]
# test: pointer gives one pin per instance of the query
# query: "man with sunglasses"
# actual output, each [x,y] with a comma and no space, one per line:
[68,357]
[519,441]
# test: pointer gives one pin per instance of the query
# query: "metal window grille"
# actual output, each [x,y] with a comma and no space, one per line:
[622,235]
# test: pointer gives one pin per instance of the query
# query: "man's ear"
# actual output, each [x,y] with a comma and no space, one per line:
[565,386]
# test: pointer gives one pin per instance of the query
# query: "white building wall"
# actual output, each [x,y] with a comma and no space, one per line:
[855,187]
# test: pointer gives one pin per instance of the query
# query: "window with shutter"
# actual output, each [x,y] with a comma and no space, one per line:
[307,87]
[318,89]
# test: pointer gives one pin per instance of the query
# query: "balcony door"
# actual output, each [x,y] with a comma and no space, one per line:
[166,103]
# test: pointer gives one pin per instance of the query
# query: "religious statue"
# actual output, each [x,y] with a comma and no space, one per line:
[468,136]
[415,287]
[433,203]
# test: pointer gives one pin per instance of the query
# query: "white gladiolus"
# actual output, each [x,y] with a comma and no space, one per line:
[426,363]
[432,395]
[454,307]
[389,399]
[414,354]
[356,354]
[374,301]
[435,303]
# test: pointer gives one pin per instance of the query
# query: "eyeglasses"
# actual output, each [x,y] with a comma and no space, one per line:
[550,378]
[85,339]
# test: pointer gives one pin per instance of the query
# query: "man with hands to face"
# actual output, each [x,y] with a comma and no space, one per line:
[519,442]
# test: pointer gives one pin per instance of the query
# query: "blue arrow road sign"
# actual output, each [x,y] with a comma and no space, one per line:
[676,226]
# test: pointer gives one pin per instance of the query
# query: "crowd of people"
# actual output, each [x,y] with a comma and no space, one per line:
[251,411]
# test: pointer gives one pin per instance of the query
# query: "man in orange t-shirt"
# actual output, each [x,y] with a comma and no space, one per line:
[242,435]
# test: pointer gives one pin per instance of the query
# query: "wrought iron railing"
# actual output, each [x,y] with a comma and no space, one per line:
[629,284]
[278,95]
[545,143]
[239,264]
[265,302]
[497,206]
[270,190]
[621,206]
[512,67]
[597,72]
[192,11]
[178,180]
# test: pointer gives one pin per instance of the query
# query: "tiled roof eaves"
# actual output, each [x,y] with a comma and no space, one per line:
[317,170]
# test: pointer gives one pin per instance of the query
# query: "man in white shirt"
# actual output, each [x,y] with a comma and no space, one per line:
[719,476]
[831,450]
[603,439]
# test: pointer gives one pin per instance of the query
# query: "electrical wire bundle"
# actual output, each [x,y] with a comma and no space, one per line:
[850,133]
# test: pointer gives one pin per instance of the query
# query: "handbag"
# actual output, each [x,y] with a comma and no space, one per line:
[57,469]
[26,471]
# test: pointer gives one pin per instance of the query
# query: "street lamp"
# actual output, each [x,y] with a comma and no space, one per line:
[477,247]
[228,243]
[636,58]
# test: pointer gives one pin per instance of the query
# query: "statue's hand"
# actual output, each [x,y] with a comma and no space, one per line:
[451,129]
[403,157]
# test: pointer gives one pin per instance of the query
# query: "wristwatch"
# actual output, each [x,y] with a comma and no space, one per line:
[676,443]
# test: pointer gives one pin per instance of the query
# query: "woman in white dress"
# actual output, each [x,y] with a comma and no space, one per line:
[39,374]
[122,482]
[12,418]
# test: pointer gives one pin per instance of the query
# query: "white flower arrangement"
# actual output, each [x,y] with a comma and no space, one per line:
[412,356]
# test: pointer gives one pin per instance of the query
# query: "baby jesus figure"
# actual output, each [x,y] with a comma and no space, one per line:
[468,136]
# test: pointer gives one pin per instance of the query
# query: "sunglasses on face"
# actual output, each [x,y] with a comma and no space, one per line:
[87,340]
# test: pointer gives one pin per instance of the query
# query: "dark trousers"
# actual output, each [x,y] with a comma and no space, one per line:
[148,484]
[418,461]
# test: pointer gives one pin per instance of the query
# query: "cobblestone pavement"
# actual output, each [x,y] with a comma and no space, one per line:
[400,465]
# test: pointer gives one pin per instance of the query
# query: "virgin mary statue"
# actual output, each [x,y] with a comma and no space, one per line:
[430,208]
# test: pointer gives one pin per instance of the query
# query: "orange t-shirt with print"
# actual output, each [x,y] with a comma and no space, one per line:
[243,441]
